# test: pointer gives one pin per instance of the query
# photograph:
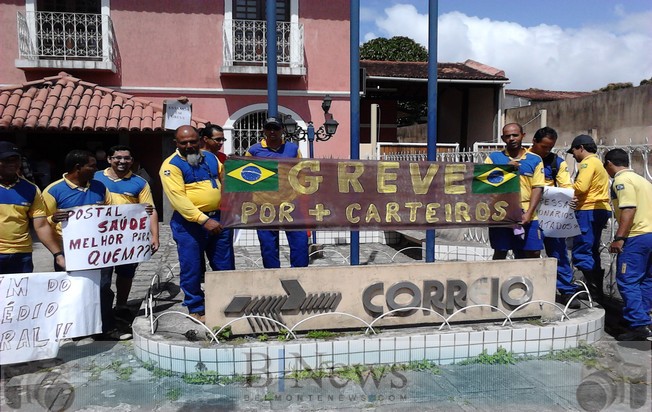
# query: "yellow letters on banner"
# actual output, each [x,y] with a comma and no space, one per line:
[420,186]
[383,176]
[349,212]
[311,181]
[454,173]
[346,178]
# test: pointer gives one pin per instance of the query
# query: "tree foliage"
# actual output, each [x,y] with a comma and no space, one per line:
[396,49]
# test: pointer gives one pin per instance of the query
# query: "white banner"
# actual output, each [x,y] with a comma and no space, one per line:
[102,236]
[556,217]
[40,309]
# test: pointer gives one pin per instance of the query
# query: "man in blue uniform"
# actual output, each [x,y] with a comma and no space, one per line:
[525,240]
[78,188]
[21,202]
[273,146]
[556,174]
[191,181]
[631,195]
[126,188]
[592,212]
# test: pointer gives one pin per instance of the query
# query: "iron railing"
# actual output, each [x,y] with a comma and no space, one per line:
[245,43]
[45,35]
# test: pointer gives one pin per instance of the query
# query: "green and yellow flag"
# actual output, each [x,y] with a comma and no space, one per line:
[491,178]
[251,176]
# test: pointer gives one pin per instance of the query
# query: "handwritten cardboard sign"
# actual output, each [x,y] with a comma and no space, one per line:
[41,309]
[100,236]
[556,217]
[176,114]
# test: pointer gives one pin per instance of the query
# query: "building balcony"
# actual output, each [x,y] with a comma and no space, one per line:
[66,41]
[245,48]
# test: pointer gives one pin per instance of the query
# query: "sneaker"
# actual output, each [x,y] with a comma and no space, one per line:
[199,317]
[637,334]
[563,300]
[113,335]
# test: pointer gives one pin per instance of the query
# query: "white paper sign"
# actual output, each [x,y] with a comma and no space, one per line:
[40,309]
[556,218]
[176,114]
[101,236]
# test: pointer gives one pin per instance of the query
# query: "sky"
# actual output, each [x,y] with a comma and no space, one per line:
[571,45]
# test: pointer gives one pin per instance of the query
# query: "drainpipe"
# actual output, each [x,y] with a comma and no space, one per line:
[432,107]
[355,108]
[272,83]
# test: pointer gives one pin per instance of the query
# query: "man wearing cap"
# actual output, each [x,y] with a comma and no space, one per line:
[274,146]
[20,202]
[191,182]
[556,174]
[631,195]
[592,211]
[524,240]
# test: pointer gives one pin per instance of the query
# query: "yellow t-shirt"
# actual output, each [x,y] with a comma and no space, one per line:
[592,185]
[19,203]
[632,190]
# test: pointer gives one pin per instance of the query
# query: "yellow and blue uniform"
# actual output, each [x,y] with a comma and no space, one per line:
[530,176]
[269,239]
[64,194]
[195,193]
[634,263]
[592,212]
[555,170]
[19,202]
[130,189]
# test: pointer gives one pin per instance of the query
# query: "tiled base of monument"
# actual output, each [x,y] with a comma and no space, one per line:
[169,350]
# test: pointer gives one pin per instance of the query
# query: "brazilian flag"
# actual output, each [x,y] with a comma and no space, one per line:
[251,176]
[490,179]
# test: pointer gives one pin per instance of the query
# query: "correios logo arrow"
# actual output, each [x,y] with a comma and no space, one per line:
[296,301]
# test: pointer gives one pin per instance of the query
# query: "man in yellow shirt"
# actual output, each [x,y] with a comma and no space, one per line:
[21,202]
[592,212]
[126,188]
[556,174]
[191,181]
[525,240]
[632,200]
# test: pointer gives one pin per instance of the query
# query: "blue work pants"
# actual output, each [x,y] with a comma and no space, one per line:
[269,248]
[586,245]
[634,279]
[556,248]
[193,243]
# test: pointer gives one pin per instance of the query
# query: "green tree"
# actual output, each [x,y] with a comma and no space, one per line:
[396,49]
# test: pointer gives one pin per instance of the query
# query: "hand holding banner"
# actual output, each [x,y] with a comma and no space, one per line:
[100,236]
[556,218]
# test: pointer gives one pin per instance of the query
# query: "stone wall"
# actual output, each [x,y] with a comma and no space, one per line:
[616,117]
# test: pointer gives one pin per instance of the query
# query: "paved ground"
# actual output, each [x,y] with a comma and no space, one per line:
[103,376]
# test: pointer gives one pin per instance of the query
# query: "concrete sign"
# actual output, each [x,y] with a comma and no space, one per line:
[291,295]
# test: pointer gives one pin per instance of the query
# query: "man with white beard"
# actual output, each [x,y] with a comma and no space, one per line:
[191,181]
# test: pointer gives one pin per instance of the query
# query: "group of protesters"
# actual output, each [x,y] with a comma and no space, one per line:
[192,181]
[594,198]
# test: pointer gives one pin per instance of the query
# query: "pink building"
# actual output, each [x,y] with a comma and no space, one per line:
[213,52]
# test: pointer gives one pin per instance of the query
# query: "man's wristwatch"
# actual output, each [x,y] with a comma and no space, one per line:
[618,238]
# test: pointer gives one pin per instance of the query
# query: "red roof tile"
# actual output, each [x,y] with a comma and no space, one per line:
[64,102]
[545,95]
[469,70]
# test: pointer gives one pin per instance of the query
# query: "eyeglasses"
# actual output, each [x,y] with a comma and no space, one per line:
[277,128]
[125,158]
[505,136]
[217,139]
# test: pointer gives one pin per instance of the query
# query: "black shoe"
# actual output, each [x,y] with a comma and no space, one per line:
[563,299]
[113,335]
[639,334]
